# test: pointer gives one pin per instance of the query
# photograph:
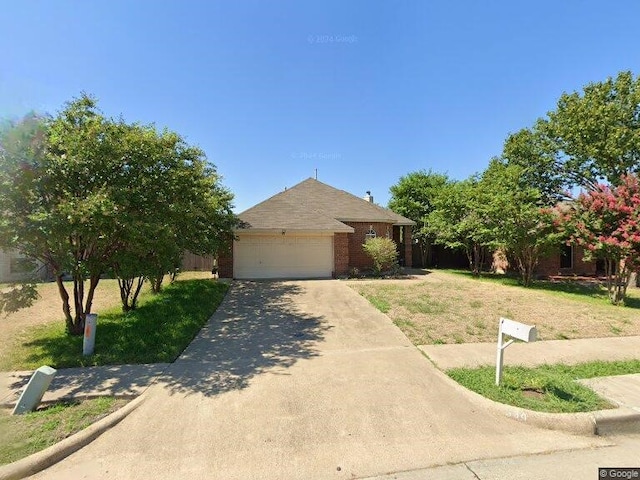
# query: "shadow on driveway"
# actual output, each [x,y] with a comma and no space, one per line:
[256,329]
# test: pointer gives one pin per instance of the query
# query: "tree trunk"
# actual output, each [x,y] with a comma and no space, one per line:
[156,283]
[477,259]
[66,308]
[93,284]
[125,285]
[134,299]
[468,252]
[617,278]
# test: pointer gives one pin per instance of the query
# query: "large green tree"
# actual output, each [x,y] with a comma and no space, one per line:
[535,154]
[87,195]
[413,197]
[597,132]
[457,220]
[517,216]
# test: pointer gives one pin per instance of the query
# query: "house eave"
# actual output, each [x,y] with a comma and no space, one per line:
[377,220]
[297,231]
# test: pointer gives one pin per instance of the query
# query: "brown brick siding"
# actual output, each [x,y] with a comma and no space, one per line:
[408,247]
[550,265]
[340,254]
[357,257]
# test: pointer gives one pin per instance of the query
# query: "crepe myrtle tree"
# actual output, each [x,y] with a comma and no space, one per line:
[84,189]
[458,221]
[56,204]
[606,221]
[176,203]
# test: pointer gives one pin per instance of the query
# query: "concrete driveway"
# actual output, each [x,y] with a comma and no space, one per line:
[300,380]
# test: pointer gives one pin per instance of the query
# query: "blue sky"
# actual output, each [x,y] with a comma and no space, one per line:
[363,91]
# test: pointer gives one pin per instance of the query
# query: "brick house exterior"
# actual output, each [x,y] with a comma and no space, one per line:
[317,214]
[569,261]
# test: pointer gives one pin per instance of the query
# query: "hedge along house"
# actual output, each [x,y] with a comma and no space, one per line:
[311,230]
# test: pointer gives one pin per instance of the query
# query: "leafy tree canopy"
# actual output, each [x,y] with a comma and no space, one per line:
[413,197]
[85,195]
[597,132]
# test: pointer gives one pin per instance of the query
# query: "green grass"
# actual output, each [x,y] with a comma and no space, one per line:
[547,388]
[424,304]
[22,435]
[379,302]
[157,331]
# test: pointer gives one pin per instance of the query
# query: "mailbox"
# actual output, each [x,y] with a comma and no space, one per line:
[526,333]
[517,330]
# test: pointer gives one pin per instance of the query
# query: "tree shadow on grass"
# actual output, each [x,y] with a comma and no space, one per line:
[156,332]
[257,329]
[632,302]
[581,286]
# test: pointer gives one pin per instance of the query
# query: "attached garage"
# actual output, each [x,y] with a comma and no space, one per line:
[310,230]
[283,256]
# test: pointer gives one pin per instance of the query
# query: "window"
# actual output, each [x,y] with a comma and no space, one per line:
[370,234]
[566,256]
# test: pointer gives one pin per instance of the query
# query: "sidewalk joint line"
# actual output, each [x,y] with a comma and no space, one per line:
[474,473]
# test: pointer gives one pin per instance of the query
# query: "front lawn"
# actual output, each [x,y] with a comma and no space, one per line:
[452,307]
[547,388]
[157,331]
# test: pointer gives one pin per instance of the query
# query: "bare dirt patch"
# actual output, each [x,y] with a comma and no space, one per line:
[444,307]
[47,309]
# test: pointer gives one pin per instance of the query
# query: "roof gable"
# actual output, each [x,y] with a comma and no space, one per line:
[313,205]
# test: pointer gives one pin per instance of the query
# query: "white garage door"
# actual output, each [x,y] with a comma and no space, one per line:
[282,256]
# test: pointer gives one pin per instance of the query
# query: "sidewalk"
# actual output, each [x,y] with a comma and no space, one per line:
[87,382]
[622,390]
[568,352]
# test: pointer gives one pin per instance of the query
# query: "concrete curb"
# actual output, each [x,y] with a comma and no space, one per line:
[49,456]
[600,422]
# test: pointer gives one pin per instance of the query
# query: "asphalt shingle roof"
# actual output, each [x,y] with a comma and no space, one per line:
[312,205]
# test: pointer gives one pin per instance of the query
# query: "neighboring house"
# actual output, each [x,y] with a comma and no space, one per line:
[311,230]
[569,260]
[12,268]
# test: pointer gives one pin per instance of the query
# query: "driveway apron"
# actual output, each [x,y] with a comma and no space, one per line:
[300,380]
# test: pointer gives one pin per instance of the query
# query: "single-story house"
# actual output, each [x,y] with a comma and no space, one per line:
[311,230]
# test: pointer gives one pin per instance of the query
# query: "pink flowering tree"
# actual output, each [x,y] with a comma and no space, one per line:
[606,222]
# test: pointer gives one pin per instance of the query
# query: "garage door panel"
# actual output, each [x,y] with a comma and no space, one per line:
[278,256]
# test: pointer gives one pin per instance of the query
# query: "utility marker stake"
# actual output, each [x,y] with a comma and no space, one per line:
[33,392]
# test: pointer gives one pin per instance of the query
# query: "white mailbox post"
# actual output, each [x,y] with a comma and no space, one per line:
[517,330]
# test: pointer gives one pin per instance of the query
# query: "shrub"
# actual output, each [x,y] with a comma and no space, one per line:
[383,252]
